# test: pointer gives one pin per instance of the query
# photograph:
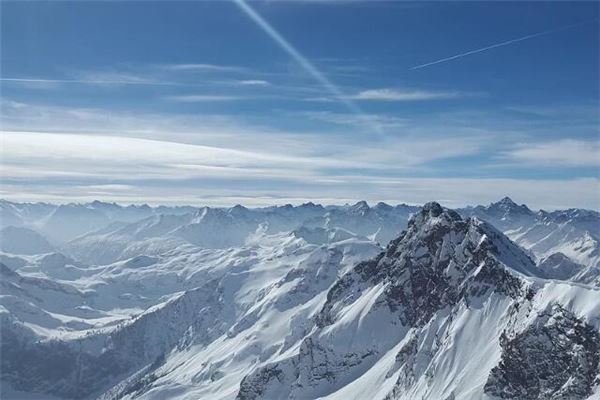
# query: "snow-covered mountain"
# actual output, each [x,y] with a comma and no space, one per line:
[19,240]
[299,302]
[452,309]
[216,228]
[572,233]
[60,223]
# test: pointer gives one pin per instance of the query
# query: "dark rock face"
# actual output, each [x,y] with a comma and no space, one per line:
[252,386]
[556,357]
[53,367]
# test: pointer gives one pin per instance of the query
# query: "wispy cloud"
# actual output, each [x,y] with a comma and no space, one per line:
[96,80]
[360,121]
[566,152]
[252,82]
[197,157]
[348,151]
[501,44]
[387,94]
[201,98]
[205,67]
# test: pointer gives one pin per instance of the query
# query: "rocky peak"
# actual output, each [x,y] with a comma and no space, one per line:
[360,207]
[507,201]
[507,206]
[439,260]
[434,214]
[310,204]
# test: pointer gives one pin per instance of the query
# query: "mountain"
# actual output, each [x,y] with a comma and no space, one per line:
[302,302]
[141,314]
[450,309]
[216,228]
[505,214]
[19,240]
[60,223]
[22,214]
[573,233]
[71,220]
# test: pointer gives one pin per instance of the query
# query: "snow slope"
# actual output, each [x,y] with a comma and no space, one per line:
[299,302]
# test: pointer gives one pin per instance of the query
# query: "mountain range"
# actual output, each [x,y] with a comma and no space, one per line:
[299,302]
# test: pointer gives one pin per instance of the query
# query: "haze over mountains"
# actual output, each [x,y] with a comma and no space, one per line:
[304,302]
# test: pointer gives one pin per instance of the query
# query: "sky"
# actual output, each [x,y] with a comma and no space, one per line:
[274,102]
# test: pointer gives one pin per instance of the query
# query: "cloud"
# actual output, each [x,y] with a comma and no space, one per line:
[84,144]
[360,121]
[205,68]
[201,98]
[89,79]
[252,82]
[566,152]
[52,152]
[35,155]
[451,192]
[387,94]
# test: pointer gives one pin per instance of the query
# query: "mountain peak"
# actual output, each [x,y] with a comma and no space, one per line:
[238,208]
[360,207]
[382,207]
[433,209]
[506,201]
[433,213]
[507,206]
[438,260]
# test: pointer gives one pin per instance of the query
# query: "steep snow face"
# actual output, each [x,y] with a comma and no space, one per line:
[19,240]
[423,320]
[271,302]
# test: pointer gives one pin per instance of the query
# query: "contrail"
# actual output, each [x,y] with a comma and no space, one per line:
[493,46]
[299,58]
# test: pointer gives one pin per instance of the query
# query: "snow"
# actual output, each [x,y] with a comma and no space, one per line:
[198,300]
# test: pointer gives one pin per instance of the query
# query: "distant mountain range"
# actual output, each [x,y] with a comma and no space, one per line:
[386,302]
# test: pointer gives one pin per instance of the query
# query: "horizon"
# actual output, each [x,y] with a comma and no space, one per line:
[237,102]
[295,205]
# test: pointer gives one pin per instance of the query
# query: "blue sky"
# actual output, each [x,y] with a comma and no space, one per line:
[274,102]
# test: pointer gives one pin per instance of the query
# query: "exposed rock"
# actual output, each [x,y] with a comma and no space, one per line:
[556,357]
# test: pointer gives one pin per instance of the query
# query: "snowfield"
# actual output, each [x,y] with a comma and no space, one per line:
[100,301]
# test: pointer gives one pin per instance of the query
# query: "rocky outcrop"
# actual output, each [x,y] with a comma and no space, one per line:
[439,260]
[556,357]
